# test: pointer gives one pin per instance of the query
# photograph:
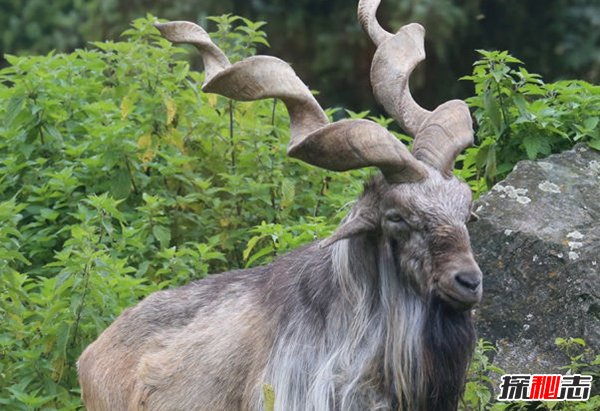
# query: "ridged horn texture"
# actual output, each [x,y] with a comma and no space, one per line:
[339,146]
[439,135]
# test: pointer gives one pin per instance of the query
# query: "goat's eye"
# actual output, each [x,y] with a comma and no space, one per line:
[395,217]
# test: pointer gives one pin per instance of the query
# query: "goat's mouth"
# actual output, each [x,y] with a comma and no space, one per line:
[459,301]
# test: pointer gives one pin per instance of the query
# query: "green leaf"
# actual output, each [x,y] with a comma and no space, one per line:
[127,105]
[288,192]
[14,107]
[268,397]
[534,145]
[269,249]
[171,108]
[355,115]
[595,144]
[492,109]
[53,132]
[120,186]
[261,40]
[250,246]
[162,234]
[12,59]
[482,155]
[521,103]
[490,164]
[591,122]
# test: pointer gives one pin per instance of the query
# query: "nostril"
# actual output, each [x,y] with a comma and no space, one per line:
[469,280]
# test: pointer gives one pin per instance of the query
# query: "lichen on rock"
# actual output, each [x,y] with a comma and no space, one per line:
[540,259]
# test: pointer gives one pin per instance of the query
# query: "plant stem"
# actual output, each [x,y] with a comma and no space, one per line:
[41,135]
[238,207]
[231,139]
[273,112]
[272,191]
[86,281]
[503,111]
[135,190]
[324,185]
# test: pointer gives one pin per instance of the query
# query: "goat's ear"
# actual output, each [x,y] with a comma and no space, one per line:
[363,220]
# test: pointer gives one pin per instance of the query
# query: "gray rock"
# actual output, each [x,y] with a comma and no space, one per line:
[538,245]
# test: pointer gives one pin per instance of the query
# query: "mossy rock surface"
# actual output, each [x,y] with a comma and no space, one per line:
[538,244]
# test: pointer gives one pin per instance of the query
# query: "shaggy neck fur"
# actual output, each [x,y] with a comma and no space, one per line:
[377,346]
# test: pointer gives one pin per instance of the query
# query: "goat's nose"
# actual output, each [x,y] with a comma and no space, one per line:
[468,279]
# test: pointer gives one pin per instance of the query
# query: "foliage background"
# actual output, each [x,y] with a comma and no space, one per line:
[556,38]
[119,177]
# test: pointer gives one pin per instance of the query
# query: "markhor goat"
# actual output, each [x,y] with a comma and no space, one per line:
[375,317]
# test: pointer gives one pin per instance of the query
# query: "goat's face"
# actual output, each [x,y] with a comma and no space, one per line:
[424,224]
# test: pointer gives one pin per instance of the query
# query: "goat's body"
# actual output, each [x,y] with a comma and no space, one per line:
[199,347]
[327,332]
[376,317]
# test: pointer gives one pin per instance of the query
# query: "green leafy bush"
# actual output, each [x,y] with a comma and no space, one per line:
[521,117]
[119,177]
[484,377]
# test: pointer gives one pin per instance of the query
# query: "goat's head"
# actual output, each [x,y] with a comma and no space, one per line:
[423,224]
[418,208]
